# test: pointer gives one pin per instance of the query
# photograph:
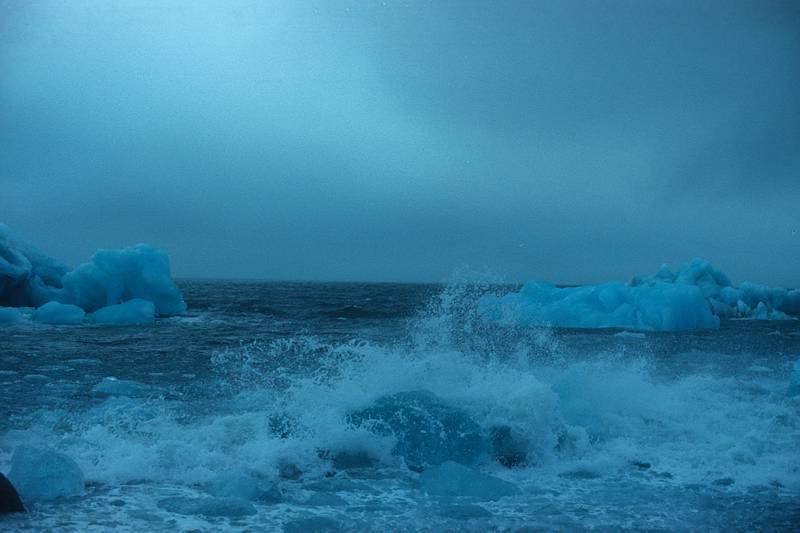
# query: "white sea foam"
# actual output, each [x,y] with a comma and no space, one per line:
[276,428]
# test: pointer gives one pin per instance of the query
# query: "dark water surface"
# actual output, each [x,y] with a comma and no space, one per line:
[314,405]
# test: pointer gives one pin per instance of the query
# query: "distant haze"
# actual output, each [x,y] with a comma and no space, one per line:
[571,141]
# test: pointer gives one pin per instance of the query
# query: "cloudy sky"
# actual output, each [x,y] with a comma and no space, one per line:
[572,141]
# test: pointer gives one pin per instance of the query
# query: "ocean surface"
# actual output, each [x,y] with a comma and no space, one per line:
[313,407]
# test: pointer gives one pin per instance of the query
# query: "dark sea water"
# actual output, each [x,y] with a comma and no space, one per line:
[310,406]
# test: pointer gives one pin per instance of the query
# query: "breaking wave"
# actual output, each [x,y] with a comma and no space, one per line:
[276,419]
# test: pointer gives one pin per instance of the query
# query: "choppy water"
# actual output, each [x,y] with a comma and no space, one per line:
[252,397]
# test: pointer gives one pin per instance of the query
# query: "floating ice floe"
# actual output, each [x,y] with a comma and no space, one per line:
[695,297]
[118,287]
[40,474]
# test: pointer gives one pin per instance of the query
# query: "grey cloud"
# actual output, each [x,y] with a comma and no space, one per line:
[570,141]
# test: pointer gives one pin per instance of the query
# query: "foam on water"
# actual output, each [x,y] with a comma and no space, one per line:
[279,436]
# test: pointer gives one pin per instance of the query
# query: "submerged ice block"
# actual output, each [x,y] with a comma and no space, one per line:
[428,430]
[41,474]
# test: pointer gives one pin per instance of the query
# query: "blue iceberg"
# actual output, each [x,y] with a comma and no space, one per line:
[118,286]
[748,300]
[28,278]
[116,276]
[695,297]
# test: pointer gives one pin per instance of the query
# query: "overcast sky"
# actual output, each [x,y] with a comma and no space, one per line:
[559,140]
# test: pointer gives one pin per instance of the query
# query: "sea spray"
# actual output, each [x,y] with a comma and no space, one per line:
[261,410]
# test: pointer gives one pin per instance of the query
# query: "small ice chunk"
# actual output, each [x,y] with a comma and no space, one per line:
[657,307]
[58,313]
[9,314]
[41,474]
[764,312]
[451,479]
[227,507]
[136,312]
